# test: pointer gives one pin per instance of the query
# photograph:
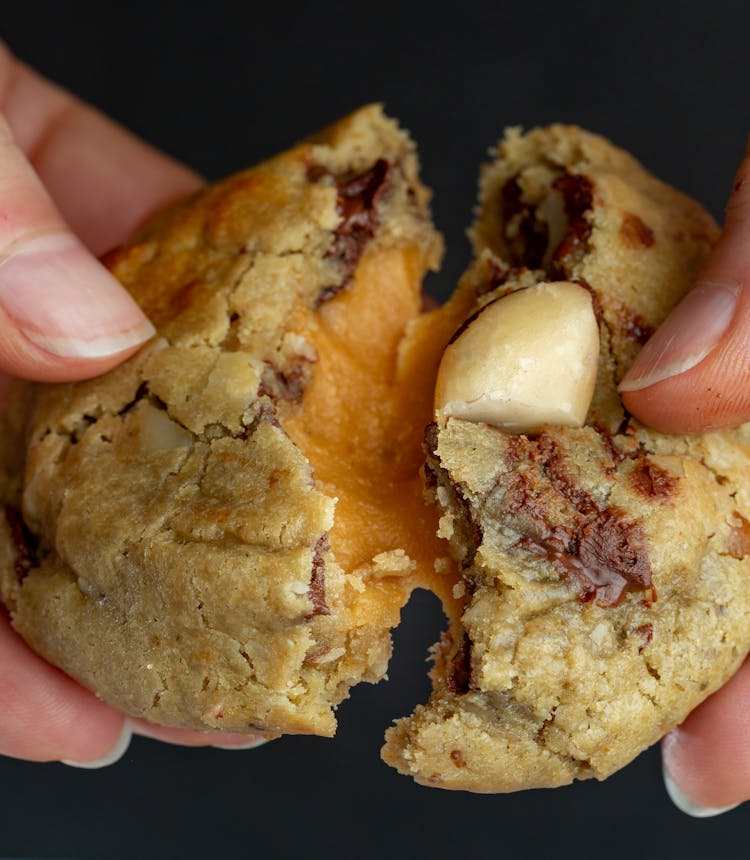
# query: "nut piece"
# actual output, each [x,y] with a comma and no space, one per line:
[527,359]
[159,432]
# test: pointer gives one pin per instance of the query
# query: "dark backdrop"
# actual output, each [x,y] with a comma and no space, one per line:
[222,85]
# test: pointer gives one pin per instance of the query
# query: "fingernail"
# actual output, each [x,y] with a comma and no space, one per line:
[188,737]
[686,337]
[115,754]
[249,744]
[66,302]
[684,804]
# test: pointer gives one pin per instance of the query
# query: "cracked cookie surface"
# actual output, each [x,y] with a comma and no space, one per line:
[167,541]
[605,569]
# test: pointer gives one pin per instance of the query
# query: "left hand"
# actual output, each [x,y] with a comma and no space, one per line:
[73,184]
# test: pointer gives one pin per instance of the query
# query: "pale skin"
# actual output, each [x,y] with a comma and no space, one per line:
[66,167]
[65,170]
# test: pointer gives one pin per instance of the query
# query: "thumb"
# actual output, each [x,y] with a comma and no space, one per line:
[63,316]
[694,373]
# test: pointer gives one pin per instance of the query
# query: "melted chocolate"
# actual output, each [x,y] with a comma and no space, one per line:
[577,192]
[529,245]
[635,233]
[459,677]
[651,480]
[24,542]
[596,547]
[357,201]
[317,590]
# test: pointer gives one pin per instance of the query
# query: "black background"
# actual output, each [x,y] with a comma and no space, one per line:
[222,85]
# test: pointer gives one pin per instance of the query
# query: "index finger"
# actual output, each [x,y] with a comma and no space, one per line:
[104,180]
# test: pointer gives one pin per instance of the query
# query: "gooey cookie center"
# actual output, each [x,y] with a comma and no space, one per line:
[361,424]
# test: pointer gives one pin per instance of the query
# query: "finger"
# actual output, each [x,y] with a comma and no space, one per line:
[46,716]
[707,759]
[103,179]
[187,738]
[62,314]
[694,373]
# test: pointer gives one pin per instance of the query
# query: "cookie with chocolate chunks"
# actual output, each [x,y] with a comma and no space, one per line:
[220,533]
[181,534]
[605,577]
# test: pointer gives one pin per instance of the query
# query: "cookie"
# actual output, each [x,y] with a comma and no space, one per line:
[604,567]
[201,536]
[220,533]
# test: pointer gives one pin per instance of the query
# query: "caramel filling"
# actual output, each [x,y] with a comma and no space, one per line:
[362,422]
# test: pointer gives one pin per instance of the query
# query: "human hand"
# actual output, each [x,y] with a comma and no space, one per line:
[72,184]
[692,376]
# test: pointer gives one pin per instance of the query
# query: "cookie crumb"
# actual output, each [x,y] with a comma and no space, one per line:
[442,565]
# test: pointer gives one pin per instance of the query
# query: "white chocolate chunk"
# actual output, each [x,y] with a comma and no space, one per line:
[527,359]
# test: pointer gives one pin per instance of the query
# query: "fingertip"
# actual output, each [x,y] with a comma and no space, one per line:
[674,406]
[714,394]
[194,738]
[706,760]
[686,805]
[63,316]
[112,755]
[44,714]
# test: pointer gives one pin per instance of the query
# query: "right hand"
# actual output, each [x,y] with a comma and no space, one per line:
[693,376]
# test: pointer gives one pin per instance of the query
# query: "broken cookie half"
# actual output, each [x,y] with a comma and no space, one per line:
[604,566]
[220,533]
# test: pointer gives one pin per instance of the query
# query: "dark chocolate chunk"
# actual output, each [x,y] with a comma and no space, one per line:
[459,677]
[635,233]
[577,192]
[317,590]
[26,545]
[457,758]
[357,202]
[651,480]
[598,548]
[529,244]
